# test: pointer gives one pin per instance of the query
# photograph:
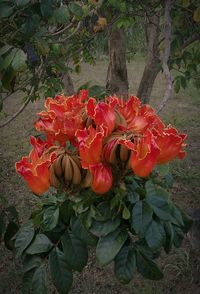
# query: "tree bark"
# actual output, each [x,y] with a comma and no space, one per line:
[153,64]
[117,78]
[68,84]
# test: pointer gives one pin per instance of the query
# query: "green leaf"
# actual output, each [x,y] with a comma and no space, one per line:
[126,213]
[50,218]
[5,10]
[7,59]
[176,216]
[147,268]
[183,82]
[160,204]
[19,61]
[178,236]
[27,282]
[196,15]
[75,251]
[100,228]
[11,230]
[81,233]
[60,272]
[109,245]
[97,91]
[23,239]
[76,9]
[31,262]
[66,211]
[125,264]
[163,169]
[187,220]
[40,244]
[141,217]
[5,49]
[61,14]
[39,281]
[21,3]
[132,195]
[103,211]
[155,235]
[169,236]
[46,8]
[177,85]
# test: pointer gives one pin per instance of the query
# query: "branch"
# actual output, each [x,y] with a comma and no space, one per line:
[62,30]
[166,55]
[23,106]
[72,34]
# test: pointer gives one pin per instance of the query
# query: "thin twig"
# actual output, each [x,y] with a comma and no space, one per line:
[166,55]
[62,30]
[23,106]
[72,34]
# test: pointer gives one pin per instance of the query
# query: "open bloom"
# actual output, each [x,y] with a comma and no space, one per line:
[170,143]
[90,146]
[138,117]
[103,114]
[35,168]
[144,153]
[102,178]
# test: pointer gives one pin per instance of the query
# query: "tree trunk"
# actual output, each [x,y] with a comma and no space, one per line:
[153,64]
[68,84]
[117,78]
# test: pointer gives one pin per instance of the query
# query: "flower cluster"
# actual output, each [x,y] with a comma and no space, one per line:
[96,139]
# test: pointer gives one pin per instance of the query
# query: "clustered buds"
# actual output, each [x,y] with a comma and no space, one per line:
[87,141]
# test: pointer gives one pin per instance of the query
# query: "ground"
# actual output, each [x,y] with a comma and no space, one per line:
[181,267]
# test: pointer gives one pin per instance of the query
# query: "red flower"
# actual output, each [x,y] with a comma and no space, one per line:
[103,114]
[170,143]
[102,178]
[144,153]
[138,117]
[35,168]
[90,146]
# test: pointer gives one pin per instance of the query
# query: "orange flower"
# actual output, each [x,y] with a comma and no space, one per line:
[138,117]
[103,114]
[170,143]
[102,178]
[90,146]
[144,153]
[35,168]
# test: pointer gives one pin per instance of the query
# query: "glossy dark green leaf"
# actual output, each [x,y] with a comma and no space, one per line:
[176,216]
[103,211]
[75,251]
[30,262]
[40,244]
[80,232]
[61,14]
[19,61]
[155,235]
[102,228]
[39,284]
[60,272]
[5,10]
[132,195]
[46,7]
[125,264]
[21,3]
[109,245]
[27,282]
[169,236]
[178,236]
[76,9]
[160,204]
[141,217]
[147,268]
[23,239]
[50,218]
